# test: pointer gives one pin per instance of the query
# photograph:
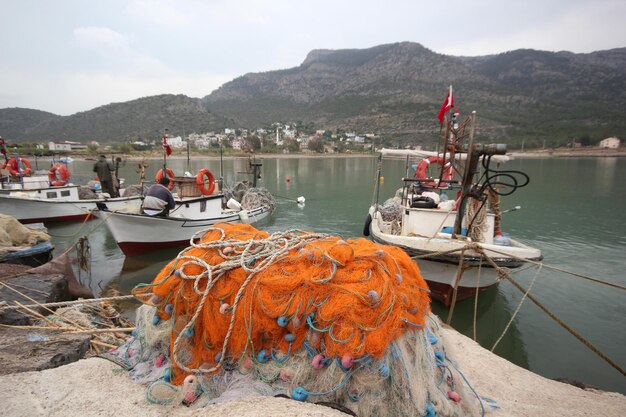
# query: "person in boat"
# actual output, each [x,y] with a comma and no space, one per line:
[104,169]
[159,200]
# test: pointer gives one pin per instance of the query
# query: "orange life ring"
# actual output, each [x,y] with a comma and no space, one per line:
[58,175]
[200,181]
[25,167]
[422,167]
[170,175]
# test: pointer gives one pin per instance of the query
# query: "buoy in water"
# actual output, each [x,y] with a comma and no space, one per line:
[287,178]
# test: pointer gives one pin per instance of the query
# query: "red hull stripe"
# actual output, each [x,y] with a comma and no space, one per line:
[54,219]
[444,292]
[137,248]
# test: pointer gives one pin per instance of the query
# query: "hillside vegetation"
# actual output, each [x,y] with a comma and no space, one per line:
[394,90]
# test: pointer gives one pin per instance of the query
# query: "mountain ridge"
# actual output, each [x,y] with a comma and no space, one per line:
[392,89]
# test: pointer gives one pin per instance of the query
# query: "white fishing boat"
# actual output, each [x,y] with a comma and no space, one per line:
[200,203]
[452,226]
[52,198]
[137,233]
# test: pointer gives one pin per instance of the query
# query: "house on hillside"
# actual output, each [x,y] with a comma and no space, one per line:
[65,146]
[610,143]
[176,142]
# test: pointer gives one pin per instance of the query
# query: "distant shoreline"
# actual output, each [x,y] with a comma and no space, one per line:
[533,154]
[569,153]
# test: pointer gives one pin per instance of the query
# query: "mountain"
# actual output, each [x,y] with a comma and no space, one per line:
[394,89]
[398,88]
[132,120]
[16,122]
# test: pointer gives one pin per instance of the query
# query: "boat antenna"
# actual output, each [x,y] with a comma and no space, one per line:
[221,161]
[165,147]
[188,165]
[378,171]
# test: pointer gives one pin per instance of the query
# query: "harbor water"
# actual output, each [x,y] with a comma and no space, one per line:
[572,209]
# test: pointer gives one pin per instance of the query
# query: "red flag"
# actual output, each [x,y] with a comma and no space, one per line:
[448,103]
[166,146]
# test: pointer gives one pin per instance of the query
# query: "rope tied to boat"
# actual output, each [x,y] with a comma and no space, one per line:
[504,273]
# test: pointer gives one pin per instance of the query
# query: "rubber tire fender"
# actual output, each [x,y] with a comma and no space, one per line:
[366,226]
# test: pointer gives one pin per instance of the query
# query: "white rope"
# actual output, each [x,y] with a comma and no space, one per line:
[69,303]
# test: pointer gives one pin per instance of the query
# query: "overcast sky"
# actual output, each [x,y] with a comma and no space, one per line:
[66,56]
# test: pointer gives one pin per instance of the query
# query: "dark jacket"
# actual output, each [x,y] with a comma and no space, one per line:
[158,201]
[103,169]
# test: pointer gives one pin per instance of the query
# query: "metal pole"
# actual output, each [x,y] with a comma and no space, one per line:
[188,166]
[165,153]
[380,158]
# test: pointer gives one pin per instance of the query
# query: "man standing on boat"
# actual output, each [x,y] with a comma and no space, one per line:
[159,200]
[103,169]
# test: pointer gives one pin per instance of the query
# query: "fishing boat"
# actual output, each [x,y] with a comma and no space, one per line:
[34,256]
[24,245]
[447,214]
[51,197]
[200,203]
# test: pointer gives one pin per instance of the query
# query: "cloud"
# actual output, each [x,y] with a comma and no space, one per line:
[115,50]
[160,12]
[102,39]
[581,28]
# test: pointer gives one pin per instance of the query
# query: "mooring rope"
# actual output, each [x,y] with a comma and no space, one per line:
[504,273]
[519,306]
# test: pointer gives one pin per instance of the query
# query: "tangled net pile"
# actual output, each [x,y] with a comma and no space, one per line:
[303,314]
[258,197]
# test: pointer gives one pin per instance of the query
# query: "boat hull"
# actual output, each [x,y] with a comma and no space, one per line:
[34,256]
[439,260]
[136,234]
[32,210]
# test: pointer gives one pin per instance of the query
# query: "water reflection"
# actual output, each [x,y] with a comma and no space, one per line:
[494,311]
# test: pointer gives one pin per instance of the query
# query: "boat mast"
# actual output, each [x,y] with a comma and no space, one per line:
[474,152]
[165,135]
[468,175]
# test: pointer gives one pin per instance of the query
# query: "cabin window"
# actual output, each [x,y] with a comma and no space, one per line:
[51,194]
[202,206]
[65,193]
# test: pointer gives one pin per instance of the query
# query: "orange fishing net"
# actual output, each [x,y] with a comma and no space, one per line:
[240,294]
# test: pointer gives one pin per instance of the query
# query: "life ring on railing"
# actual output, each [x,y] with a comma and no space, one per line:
[422,168]
[25,169]
[170,175]
[201,182]
[58,175]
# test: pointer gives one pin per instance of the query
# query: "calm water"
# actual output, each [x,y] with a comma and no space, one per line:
[573,210]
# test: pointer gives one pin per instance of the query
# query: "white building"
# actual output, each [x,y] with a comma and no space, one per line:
[60,146]
[610,143]
[176,142]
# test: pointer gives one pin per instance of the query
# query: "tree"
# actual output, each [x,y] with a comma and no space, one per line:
[255,143]
[293,146]
[585,140]
[316,145]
